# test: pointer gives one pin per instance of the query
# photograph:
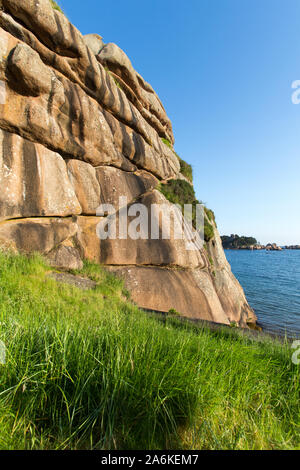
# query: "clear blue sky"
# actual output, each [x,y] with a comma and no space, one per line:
[223,69]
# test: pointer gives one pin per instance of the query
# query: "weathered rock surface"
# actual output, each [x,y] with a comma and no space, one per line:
[84,180]
[58,113]
[33,180]
[79,127]
[140,94]
[228,288]
[94,42]
[162,289]
[36,235]
[82,76]
[72,280]
[135,246]
[115,183]
[65,257]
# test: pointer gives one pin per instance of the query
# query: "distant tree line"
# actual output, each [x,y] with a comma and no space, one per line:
[235,241]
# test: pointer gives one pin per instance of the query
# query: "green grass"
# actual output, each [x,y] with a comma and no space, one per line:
[174,312]
[167,143]
[55,6]
[87,369]
[185,168]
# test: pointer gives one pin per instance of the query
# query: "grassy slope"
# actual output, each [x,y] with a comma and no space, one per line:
[87,369]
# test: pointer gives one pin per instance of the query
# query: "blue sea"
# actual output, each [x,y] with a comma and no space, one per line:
[271,281]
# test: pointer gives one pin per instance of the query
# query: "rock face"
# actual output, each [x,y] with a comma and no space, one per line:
[228,289]
[34,180]
[82,142]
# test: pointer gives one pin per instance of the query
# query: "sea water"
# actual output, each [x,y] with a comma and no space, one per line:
[271,281]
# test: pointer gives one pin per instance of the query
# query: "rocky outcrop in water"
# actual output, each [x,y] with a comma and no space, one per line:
[79,127]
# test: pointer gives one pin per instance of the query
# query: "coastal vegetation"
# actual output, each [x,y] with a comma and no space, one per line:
[185,169]
[181,192]
[55,6]
[87,369]
[235,241]
[167,143]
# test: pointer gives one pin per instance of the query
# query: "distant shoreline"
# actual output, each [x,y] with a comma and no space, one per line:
[264,248]
[236,242]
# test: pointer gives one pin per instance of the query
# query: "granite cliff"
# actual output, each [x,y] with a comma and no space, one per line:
[79,127]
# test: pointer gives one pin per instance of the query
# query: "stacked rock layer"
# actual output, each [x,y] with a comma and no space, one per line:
[79,127]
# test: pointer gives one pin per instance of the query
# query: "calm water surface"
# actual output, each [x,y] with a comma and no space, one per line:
[271,281]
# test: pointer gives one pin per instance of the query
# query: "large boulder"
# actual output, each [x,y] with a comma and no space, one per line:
[112,57]
[36,235]
[94,42]
[60,116]
[52,27]
[57,113]
[65,257]
[84,180]
[85,71]
[115,183]
[135,244]
[34,77]
[161,289]
[229,290]
[33,180]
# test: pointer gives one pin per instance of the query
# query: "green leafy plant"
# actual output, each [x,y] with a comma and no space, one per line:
[174,312]
[55,6]
[181,192]
[208,231]
[185,168]
[210,214]
[167,142]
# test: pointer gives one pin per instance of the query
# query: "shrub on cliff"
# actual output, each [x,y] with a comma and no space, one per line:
[167,143]
[210,214]
[185,168]
[181,192]
[55,6]
[208,231]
